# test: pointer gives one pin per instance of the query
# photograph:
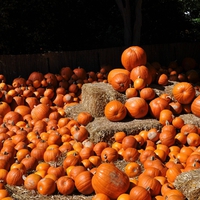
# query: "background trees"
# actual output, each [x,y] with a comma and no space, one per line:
[37,26]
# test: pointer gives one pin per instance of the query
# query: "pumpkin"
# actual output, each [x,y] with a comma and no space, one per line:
[166,116]
[137,107]
[163,79]
[147,181]
[40,111]
[115,71]
[130,154]
[65,185]
[84,118]
[4,108]
[14,177]
[139,193]
[184,92]
[131,92]
[195,106]
[109,154]
[100,196]
[120,82]
[108,174]
[46,186]
[157,105]
[141,72]
[31,181]
[133,56]
[147,93]
[132,169]
[115,111]
[83,182]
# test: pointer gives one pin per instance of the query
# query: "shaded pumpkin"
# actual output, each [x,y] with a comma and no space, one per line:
[120,82]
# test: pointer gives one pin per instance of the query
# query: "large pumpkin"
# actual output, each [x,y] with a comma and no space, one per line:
[195,106]
[137,107]
[132,57]
[115,111]
[184,92]
[110,180]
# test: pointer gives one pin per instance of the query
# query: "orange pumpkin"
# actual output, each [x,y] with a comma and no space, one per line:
[65,185]
[183,92]
[137,107]
[115,111]
[115,71]
[141,72]
[120,82]
[46,186]
[108,174]
[140,193]
[195,106]
[133,56]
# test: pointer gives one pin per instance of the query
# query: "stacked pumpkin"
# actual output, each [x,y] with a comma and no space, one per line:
[135,79]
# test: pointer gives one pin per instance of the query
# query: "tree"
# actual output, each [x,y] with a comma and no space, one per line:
[132,30]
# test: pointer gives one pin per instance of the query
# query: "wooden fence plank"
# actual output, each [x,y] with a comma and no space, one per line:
[13,66]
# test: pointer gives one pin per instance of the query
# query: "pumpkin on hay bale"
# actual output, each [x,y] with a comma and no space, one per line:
[95,96]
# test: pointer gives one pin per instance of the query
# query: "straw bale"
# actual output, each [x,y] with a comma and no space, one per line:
[95,96]
[101,129]
[20,193]
[188,183]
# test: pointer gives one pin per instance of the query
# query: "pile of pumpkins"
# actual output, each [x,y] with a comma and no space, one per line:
[43,150]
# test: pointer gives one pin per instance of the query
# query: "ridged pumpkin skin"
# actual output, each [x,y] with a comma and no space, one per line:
[132,57]
[184,92]
[137,107]
[109,180]
[115,71]
[115,111]
[195,106]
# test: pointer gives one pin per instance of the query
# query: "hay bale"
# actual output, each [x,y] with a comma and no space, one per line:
[188,183]
[20,193]
[95,96]
[101,129]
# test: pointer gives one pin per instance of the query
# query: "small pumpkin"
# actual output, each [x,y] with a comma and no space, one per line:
[120,82]
[115,111]
[184,92]
[137,107]
[65,185]
[140,193]
[46,186]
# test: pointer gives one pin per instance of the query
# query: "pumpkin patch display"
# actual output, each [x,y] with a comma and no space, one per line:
[125,139]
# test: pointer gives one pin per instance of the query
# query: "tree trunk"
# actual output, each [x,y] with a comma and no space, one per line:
[131,32]
[124,7]
[138,22]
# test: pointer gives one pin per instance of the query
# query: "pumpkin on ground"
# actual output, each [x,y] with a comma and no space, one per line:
[110,180]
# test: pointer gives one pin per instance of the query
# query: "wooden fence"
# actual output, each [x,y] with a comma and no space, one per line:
[13,66]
